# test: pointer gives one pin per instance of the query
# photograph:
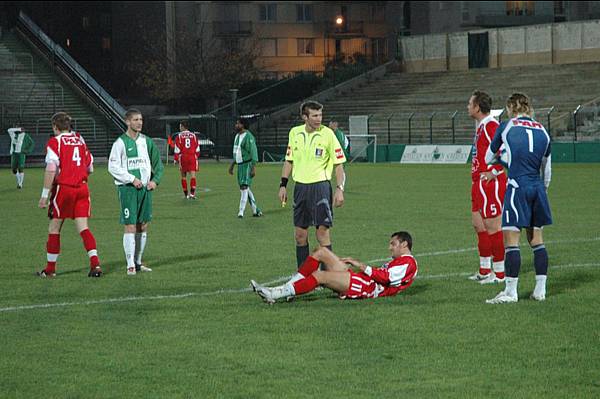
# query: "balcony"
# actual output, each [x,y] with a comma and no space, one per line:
[232,28]
[347,29]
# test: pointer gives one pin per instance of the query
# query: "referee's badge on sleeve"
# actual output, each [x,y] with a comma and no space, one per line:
[339,153]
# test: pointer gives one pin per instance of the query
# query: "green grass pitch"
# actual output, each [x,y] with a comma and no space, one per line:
[192,328]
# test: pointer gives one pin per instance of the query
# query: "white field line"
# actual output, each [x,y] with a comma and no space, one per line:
[278,280]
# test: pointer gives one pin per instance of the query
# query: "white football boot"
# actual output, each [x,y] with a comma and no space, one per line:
[502,297]
[491,279]
[479,277]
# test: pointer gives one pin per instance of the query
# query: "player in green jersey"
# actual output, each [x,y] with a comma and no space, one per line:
[245,156]
[21,144]
[135,164]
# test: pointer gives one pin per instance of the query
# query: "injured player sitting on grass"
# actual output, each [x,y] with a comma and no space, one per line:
[368,282]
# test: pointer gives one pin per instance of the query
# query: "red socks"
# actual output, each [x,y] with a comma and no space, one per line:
[193,186]
[309,266]
[305,285]
[89,242]
[52,249]
[497,251]
[484,243]
[184,186]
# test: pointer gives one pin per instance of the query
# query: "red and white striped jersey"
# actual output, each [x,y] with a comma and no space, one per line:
[186,144]
[70,154]
[486,129]
[394,276]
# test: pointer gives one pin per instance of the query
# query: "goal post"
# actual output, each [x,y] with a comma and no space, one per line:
[363,148]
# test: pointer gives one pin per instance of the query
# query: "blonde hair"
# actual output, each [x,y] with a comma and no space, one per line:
[519,104]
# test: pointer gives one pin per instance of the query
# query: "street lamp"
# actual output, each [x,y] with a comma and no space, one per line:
[339,21]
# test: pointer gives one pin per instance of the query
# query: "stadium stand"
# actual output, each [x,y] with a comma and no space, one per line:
[433,98]
[31,91]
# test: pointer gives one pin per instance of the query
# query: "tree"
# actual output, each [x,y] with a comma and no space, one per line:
[199,70]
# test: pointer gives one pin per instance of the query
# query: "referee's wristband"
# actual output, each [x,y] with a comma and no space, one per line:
[45,192]
[284,182]
[340,187]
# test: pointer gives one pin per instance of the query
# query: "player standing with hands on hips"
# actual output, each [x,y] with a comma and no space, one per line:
[526,205]
[135,164]
[313,152]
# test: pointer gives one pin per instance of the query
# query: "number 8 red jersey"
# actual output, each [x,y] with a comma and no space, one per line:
[72,158]
[186,144]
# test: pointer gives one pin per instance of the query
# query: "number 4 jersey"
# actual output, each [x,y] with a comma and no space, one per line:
[72,157]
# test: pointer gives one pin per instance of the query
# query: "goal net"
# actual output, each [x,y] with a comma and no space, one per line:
[363,148]
[163,148]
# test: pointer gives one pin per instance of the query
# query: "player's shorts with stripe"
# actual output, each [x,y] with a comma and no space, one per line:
[68,202]
[526,205]
[361,286]
[487,196]
[243,173]
[188,163]
[136,204]
[312,204]
[17,161]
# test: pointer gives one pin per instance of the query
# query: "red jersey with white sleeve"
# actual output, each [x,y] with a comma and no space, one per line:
[486,129]
[186,144]
[387,280]
[72,158]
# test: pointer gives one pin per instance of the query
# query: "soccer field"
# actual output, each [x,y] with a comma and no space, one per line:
[193,329]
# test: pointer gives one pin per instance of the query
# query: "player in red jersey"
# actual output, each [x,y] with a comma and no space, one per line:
[68,164]
[187,150]
[370,282]
[488,185]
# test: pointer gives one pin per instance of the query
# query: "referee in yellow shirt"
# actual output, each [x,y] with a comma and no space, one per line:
[313,152]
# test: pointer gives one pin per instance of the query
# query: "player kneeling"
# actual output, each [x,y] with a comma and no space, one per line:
[370,282]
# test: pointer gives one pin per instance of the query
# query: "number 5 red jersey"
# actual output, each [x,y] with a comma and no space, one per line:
[70,154]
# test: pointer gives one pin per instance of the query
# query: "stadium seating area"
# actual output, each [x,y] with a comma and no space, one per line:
[26,84]
[391,100]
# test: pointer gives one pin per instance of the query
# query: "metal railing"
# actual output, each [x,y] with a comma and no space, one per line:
[454,127]
[6,60]
[77,124]
[59,57]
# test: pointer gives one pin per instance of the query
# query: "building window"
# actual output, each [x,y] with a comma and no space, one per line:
[105,21]
[198,13]
[231,45]
[304,12]
[267,12]
[377,11]
[106,43]
[306,46]
[268,47]
[85,22]
[518,8]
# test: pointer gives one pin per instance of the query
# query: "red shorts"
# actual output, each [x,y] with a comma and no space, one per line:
[487,196]
[361,286]
[188,163]
[67,202]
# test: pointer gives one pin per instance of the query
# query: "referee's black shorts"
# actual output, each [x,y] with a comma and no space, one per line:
[312,204]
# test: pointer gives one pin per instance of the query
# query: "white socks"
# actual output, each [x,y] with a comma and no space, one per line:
[129,247]
[511,286]
[484,262]
[252,200]
[140,245]
[540,286]
[243,201]
[498,266]
[20,176]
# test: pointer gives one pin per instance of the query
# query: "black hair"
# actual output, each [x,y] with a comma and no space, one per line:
[403,236]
